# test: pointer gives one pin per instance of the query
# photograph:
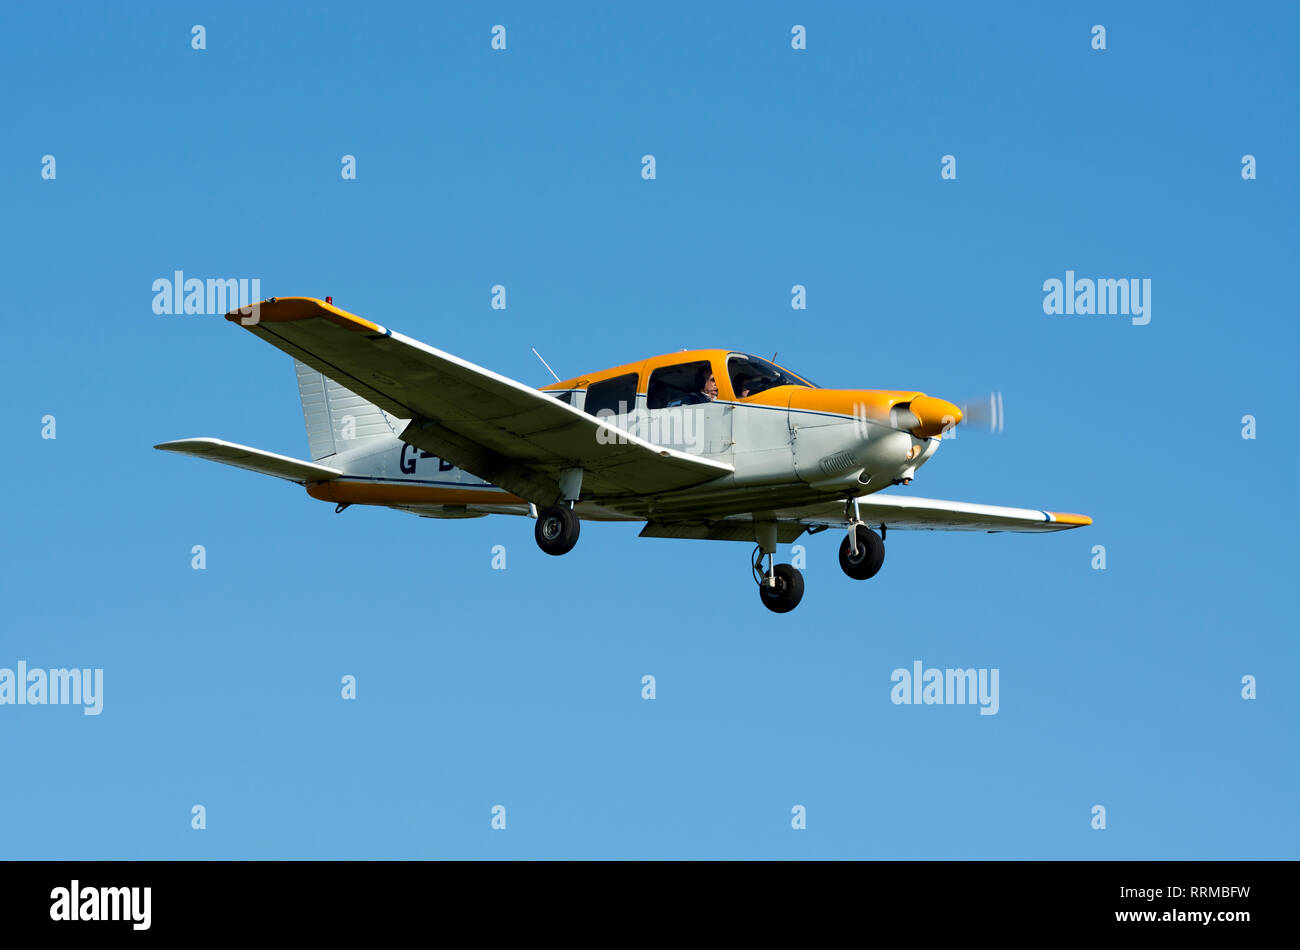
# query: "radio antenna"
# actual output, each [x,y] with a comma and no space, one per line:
[544,363]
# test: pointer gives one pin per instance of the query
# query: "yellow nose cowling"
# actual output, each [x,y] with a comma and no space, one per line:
[937,416]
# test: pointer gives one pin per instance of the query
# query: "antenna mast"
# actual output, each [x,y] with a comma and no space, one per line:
[544,363]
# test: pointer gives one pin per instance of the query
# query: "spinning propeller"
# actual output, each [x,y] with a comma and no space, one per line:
[981,413]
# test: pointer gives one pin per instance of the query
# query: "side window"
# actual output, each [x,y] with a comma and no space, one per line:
[679,385]
[615,396]
[564,397]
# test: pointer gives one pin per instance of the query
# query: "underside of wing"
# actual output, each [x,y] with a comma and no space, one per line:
[501,430]
[895,512]
[901,513]
[737,528]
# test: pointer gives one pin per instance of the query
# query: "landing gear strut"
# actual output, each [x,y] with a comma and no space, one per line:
[780,587]
[862,552]
[557,525]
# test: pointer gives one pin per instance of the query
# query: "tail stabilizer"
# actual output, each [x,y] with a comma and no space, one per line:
[338,419]
[253,460]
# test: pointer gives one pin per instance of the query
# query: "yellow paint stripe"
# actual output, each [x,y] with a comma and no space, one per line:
[1075,521]
[290,309]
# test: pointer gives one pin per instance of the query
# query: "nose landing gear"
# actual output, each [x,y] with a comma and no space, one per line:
[862,552]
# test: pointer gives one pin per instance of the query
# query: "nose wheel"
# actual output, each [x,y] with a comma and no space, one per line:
[780,587]
[861,553]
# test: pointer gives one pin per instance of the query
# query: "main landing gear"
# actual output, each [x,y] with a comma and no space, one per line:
[862,552]
[557,525]
[780,586]
[557,529]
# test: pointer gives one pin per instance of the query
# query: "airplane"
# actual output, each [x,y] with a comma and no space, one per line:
[702,444]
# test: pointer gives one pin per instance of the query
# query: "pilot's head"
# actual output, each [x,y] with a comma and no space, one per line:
[705,383]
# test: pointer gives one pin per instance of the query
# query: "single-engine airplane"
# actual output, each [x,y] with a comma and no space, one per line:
[704,444]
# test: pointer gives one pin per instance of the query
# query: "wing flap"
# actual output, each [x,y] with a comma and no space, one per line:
[736,529]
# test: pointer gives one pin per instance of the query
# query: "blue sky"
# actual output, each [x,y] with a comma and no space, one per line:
[775,167]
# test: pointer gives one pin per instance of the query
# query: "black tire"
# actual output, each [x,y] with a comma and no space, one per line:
[556,530]
[871,555]
[788,592]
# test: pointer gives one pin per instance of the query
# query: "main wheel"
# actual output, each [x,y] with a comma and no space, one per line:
[556,530]
[871,554]
[788,592]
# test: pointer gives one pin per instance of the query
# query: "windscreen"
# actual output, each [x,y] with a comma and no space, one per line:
[751,375]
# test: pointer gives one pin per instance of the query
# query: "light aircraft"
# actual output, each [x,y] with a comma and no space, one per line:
[703,444]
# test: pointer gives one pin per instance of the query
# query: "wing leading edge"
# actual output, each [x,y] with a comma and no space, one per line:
[900,512]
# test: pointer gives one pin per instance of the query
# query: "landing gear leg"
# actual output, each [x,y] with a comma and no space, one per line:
[557,525]
[862,552]
[780,586]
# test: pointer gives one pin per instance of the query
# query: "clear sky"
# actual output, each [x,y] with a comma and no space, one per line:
[475,687]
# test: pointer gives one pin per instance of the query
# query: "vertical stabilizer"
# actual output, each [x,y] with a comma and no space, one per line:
[338,419]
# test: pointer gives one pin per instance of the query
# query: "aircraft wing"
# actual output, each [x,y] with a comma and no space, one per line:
[505,432]
[903,512]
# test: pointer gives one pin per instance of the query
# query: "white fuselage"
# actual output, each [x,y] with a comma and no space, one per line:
[783,458]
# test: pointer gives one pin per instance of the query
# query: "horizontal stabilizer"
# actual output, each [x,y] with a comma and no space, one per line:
[254,460]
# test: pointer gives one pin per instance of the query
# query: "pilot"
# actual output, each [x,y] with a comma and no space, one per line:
[706,389]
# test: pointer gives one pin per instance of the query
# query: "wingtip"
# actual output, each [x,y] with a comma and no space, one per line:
[1074,521]
[291,309]
[183,445]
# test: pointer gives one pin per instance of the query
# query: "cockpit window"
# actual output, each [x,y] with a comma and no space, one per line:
[680,385]
[751,375]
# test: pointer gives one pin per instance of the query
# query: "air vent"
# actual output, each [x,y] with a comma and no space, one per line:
[839,463]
